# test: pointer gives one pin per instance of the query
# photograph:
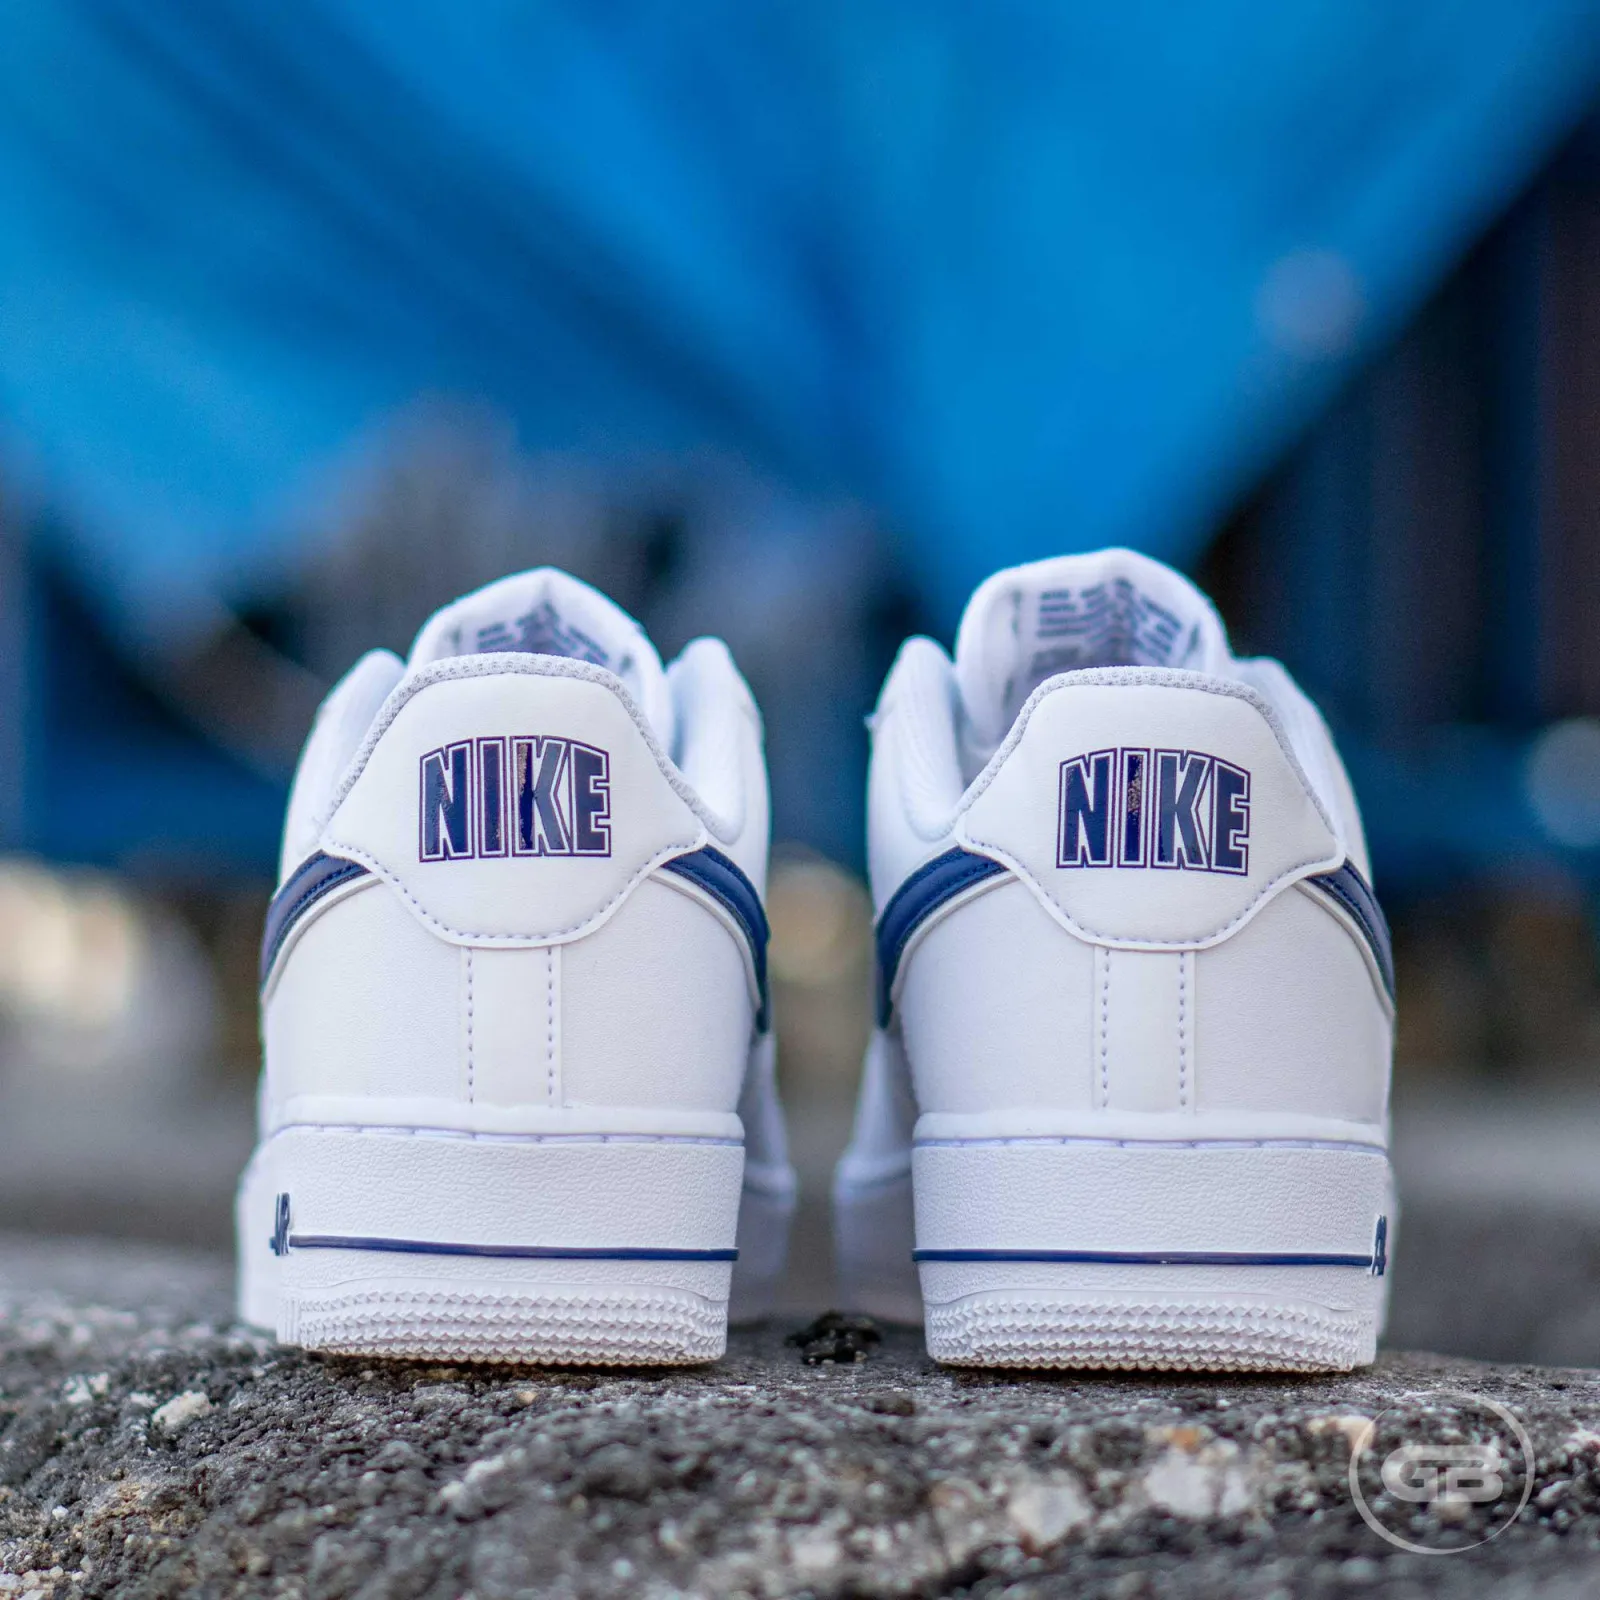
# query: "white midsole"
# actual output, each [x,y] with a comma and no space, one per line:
[1226,1198]
[1219,1254]
[419,1206]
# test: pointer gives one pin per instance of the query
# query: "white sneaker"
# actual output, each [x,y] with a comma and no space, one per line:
[1136,996]
[514,1002]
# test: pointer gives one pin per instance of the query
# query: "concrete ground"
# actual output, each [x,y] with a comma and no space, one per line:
[149,1449]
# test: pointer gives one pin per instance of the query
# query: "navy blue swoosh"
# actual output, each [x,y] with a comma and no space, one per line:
[316,876]
[721,878]
[1347,888]
[932,885]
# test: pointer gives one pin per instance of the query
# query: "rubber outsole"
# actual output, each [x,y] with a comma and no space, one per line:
[1001,1329]
[644,1327]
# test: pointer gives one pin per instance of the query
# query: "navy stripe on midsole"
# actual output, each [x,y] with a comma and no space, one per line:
[1151,1258]
[932,885]
[1061,1141]
[1347,888]
[518,1252]
[316,876]
[722,879]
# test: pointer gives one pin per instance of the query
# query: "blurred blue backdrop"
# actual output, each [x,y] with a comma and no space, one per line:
[790,321]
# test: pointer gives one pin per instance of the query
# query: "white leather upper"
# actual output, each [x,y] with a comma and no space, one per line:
[341,725]
[1290,1018]
[651,1010]
[495,990]
[1090,990]
[365,1003]
[1000,1008]
[996,1008]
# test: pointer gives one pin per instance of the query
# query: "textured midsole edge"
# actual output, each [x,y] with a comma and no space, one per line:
[580,1324]
[1147,1332]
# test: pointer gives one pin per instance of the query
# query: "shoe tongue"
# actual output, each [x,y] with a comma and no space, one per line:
[1114,608]
[547,613]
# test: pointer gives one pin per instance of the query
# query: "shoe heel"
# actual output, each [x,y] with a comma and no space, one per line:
[571,1249]
[1218,1256]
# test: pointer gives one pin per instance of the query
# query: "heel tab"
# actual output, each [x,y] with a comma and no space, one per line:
[1148,807]
[513,799]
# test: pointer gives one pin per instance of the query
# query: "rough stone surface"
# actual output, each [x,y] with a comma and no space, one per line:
[147,1448]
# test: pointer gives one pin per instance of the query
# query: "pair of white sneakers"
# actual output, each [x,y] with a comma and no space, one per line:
[1126,1102]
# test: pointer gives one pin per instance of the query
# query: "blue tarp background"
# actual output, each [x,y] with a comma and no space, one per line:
[1019,277]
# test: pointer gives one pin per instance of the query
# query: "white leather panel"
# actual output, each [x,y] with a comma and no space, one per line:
[995,1009]
[719,752]
[512,1003]
[655,1008]
[1143,1054]
[340,727]
[914,782]
[1287,1019]
[1015,813]
[366,1003]
[511,898]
